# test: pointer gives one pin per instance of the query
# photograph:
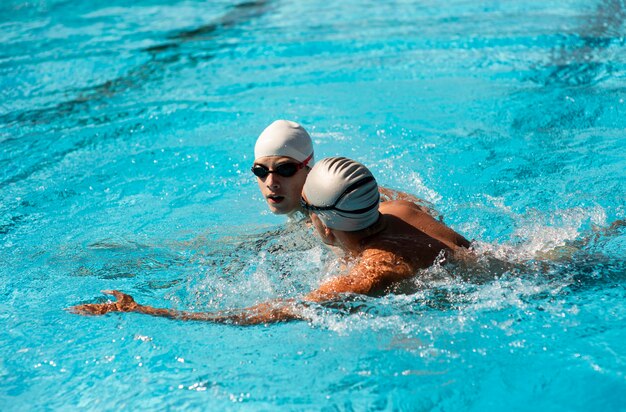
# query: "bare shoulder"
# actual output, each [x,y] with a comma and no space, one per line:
[381,262]
[402,214]
[399,205]
[391,195]
[374,270]
[404,209]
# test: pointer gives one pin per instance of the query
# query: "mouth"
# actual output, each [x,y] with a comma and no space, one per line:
[275,199]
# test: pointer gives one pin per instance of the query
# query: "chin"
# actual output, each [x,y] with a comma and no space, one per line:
[278,210]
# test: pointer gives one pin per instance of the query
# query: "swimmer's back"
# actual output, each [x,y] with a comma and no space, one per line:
[409,220]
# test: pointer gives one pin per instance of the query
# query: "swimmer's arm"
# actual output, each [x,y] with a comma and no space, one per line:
[375,271]
[268,312]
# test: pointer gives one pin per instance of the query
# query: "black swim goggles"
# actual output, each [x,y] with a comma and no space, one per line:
[283,170]
[349,189]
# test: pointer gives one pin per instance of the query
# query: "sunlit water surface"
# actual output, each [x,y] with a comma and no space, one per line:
[126,135]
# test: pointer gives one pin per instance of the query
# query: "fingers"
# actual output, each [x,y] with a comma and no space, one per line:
[77,310]
[123,303]
[89,309]
[119,295]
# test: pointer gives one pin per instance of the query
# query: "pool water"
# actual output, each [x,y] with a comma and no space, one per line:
[126,137]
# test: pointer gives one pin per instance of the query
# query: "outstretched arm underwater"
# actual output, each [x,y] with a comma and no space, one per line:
[372,273]
[267,312]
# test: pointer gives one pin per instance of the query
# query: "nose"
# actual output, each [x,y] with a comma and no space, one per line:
[272,181]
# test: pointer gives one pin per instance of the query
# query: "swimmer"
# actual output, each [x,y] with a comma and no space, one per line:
[283,156]
[384,243]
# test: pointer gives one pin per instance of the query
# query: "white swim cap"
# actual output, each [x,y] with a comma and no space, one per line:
[285,138]
[343,193]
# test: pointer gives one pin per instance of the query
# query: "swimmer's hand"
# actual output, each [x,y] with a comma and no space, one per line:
[123,303]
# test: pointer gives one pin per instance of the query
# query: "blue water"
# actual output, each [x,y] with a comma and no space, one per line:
[126,135]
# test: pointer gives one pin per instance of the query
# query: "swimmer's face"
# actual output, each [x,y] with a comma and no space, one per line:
[281,193]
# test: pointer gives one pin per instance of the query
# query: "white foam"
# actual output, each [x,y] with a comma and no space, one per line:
[422,190]
[537,233]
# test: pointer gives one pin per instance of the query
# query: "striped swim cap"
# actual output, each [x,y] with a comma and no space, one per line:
[343,193]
